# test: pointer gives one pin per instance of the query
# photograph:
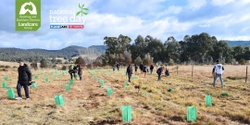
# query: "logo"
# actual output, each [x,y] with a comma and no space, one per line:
[68,19]
[24,11]
[82,11]
[28,15]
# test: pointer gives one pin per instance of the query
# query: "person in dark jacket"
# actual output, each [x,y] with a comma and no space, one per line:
[141,68]
[24,78]
[129,72]
[136,67]
[144,70]
[79,67]
[159,72]
[151,69]
[118,66]
[167,72]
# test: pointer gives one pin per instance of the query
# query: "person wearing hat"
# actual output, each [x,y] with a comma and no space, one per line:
[24,78]
[217,72]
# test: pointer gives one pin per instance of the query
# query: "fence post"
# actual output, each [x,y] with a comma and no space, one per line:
[192,70]
[246,74]
[177,69]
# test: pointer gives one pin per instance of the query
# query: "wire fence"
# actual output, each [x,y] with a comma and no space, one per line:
[239,72]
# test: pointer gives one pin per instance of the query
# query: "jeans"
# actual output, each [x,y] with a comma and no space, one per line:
[129,77]
[221,80]
[159,77]
[80,76]
[72,75]
[26,89]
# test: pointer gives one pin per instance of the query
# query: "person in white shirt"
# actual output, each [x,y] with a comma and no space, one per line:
[217,72]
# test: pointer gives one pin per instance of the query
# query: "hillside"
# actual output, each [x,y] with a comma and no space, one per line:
[238,43]
[12,54]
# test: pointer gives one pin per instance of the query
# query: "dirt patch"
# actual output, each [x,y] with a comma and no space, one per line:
[106,122]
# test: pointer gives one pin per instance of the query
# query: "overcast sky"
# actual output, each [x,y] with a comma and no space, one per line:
[225,19]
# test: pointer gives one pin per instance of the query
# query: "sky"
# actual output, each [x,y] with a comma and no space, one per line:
[224,19]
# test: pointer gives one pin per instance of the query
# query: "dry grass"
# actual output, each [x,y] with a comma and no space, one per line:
[88,103]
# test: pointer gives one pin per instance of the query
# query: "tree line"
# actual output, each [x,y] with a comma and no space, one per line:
[196,49]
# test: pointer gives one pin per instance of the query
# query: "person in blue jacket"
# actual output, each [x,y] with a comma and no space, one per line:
[159,72]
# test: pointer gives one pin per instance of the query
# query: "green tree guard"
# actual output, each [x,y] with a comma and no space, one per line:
[98,79]
[103,83]
[208,100]
[191,113]
[125,84]
[36,77]
[170,89]
[77,76]
[59,100]
[5,78]
[46,79]
[4,85]
[109,91]
[11,93]
[71,81]
[134,77]
[34,85]
[126,113]
[67,87]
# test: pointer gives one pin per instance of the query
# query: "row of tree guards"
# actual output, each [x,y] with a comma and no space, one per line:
[10,91]
[126,109]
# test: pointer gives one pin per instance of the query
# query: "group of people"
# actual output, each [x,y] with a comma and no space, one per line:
[117,66]
[217,72]
[75,70]
[144,71]
[25,76]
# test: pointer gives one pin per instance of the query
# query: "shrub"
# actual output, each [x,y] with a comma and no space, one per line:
[34,65]
[64,67]
[171,62]
[44,63]
[54,66]
[242,61]
[7,66]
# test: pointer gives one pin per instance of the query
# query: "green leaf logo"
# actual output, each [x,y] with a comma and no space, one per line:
[83,11]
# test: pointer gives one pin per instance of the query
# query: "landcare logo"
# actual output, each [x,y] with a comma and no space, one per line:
[69,19]
[28,15]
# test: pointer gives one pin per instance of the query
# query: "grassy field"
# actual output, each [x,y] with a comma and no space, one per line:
[87,102]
